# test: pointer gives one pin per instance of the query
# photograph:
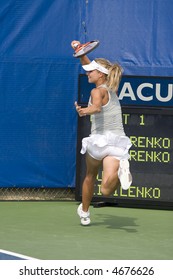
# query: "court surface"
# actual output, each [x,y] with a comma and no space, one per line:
[52,231]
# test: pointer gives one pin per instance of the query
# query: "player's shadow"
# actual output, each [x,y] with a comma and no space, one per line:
[116,222]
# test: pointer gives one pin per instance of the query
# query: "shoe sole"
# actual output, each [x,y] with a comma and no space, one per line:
[85,222]
[82,219]
[126,180]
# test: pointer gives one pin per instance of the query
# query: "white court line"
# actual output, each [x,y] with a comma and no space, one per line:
[16,255]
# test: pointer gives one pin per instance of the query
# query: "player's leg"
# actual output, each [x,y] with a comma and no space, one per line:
[92,167]
[110,180]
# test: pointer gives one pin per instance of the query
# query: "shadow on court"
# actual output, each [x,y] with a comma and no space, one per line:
[117,223]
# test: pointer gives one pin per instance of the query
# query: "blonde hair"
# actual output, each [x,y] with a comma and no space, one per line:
[115,73]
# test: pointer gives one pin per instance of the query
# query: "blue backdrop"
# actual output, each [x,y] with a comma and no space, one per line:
[39,76]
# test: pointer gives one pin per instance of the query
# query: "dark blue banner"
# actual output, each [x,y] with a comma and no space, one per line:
[146,91]
[137,91]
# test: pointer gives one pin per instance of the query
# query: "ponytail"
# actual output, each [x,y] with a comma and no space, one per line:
[114,77]
[115,73]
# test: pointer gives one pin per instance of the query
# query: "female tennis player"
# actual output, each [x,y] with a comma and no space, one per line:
[107,145]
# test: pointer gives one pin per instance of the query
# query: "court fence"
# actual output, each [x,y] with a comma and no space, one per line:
[36,194]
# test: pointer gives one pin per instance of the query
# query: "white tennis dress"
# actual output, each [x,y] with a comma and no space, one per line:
[107,136]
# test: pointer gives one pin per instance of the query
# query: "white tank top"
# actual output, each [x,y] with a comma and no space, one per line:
[110,117]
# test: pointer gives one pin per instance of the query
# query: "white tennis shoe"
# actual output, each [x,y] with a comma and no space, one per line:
[84,216]
[124,174]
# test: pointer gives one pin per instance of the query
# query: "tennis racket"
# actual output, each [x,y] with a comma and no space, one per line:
[83,49]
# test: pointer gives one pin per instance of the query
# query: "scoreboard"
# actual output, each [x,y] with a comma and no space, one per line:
[151,159]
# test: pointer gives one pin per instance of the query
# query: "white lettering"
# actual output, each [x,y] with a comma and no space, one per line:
[127,91]
[168,97]
[139,92]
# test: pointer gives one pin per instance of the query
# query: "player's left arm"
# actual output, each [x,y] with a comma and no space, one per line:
[96,104]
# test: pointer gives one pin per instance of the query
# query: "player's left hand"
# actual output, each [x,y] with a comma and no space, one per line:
[80,110]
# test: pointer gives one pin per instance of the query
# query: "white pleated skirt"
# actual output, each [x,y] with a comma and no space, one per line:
[99,146]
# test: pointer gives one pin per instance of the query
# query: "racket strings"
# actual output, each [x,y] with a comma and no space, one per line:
[81,46]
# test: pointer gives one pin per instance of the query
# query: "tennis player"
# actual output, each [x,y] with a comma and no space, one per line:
[107,145]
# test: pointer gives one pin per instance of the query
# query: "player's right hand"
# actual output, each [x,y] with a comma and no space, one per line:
[74,44]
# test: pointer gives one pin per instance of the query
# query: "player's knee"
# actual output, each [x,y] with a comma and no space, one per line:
[90,178]
[105,191]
